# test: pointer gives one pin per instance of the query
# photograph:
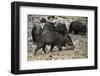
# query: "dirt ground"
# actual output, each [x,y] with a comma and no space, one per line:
[80,51]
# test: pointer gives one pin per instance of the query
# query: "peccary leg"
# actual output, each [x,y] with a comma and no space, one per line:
[39,46]
[43,48]
[52,46]
[60,47]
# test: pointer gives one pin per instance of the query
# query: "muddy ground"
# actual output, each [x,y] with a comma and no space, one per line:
[80,51]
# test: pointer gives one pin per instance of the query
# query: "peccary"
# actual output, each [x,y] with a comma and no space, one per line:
[61,28]
[77,27]
[53,38]
[36,32]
